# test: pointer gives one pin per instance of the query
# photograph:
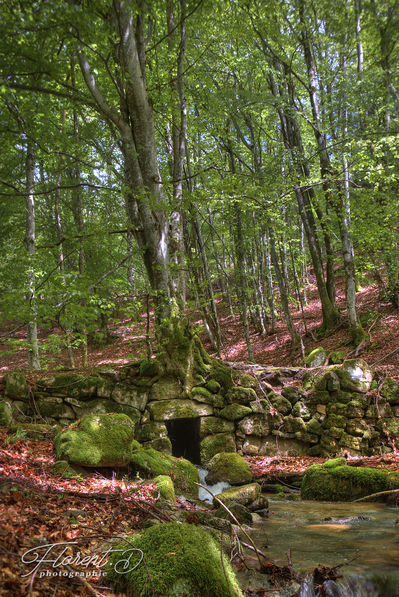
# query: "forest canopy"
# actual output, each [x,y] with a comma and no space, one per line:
[176,151]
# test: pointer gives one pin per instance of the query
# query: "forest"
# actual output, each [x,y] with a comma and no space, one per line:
[199,274]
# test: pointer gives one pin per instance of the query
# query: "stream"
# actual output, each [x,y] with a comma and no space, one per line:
[330,534]
[363,536]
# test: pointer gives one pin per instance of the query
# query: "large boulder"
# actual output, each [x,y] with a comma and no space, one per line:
[97,440]
[228,467]
[166,488]
[316,358]
[181,560]
[151,463]
[234,412]
[336,481]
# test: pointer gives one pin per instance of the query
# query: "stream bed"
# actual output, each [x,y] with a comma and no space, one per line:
[330,534]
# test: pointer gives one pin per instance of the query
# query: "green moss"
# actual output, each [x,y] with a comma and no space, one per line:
[181,560]
[316,358]
[240,512]
[246,494]
[241,395]
[149,368]
[336,481]
[212,425]
[5,413]
[248,381]
[201,394]
[63,468]
[96,440]
[166,488]
[221,374]
[16,385]
[228,467]
[233,412]
[213,386]
[214,444]
[337,357]
[36,430]
[151,463]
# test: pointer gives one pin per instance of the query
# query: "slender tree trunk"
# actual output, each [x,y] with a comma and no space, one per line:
[30,242]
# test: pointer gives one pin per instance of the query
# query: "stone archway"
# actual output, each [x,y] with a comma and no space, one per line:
[184,435]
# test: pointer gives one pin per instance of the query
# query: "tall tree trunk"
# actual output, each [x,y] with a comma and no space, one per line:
[30,242]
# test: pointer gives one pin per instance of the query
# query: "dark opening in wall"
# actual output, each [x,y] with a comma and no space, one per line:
[185,437]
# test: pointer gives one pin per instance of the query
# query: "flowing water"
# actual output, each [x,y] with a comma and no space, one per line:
[215,489]
[364,535]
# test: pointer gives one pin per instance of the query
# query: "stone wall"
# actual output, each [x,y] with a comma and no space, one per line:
[319,411]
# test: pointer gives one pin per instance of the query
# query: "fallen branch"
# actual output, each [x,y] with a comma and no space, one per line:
[378,494]
[385,357]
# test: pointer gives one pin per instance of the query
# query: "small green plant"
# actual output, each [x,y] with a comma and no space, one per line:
[19,434]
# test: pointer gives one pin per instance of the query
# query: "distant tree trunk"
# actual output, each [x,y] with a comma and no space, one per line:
[30,242]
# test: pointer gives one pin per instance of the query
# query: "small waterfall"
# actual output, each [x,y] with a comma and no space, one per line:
[203,495]
[347,587]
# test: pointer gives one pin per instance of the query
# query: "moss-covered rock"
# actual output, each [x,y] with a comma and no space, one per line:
[55,407]
[234,412]
[239,511]
[162,444]
[254,425]
[73,384]
[201,394]
[316,358]
[133,397]
[241,395]
[151,463]
[300,409]
[212,425]
[166,488]
[182,560]
[314,426]
[96,440]
[16,385]
[167,388]
[36,430]
[245,494]
[213,386]
[336,357]
[392,426]
[165,410]
[228,467]
[260,406]
[101,406]
[222,375]
[283,405]
[246,380]
[5,413]
[336,481]
[355,375]
[151,430]
[63,468]
[213,444]
[293,394]
[390,390]
[355,409]
[334,420]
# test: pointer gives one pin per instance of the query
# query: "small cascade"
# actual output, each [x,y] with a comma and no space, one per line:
[351,586]
[203,495]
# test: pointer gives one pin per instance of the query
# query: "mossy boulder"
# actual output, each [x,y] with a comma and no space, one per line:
[166,488]
[167,388]
[222,374]
[234,412]
[151,463]
[336,481]
[16,385]
[212,425]
[5,413]
[165,410]
[101,406]
[300,409]
[246,380]
[245,494]
[214,444]
[97,440]
[316,358]
[241,395]
[73,384]
[337,357]
[162,444]
[182,560]
[355,375]
[228,467]
[293,394]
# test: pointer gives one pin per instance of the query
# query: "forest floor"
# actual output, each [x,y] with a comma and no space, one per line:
[272,349]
